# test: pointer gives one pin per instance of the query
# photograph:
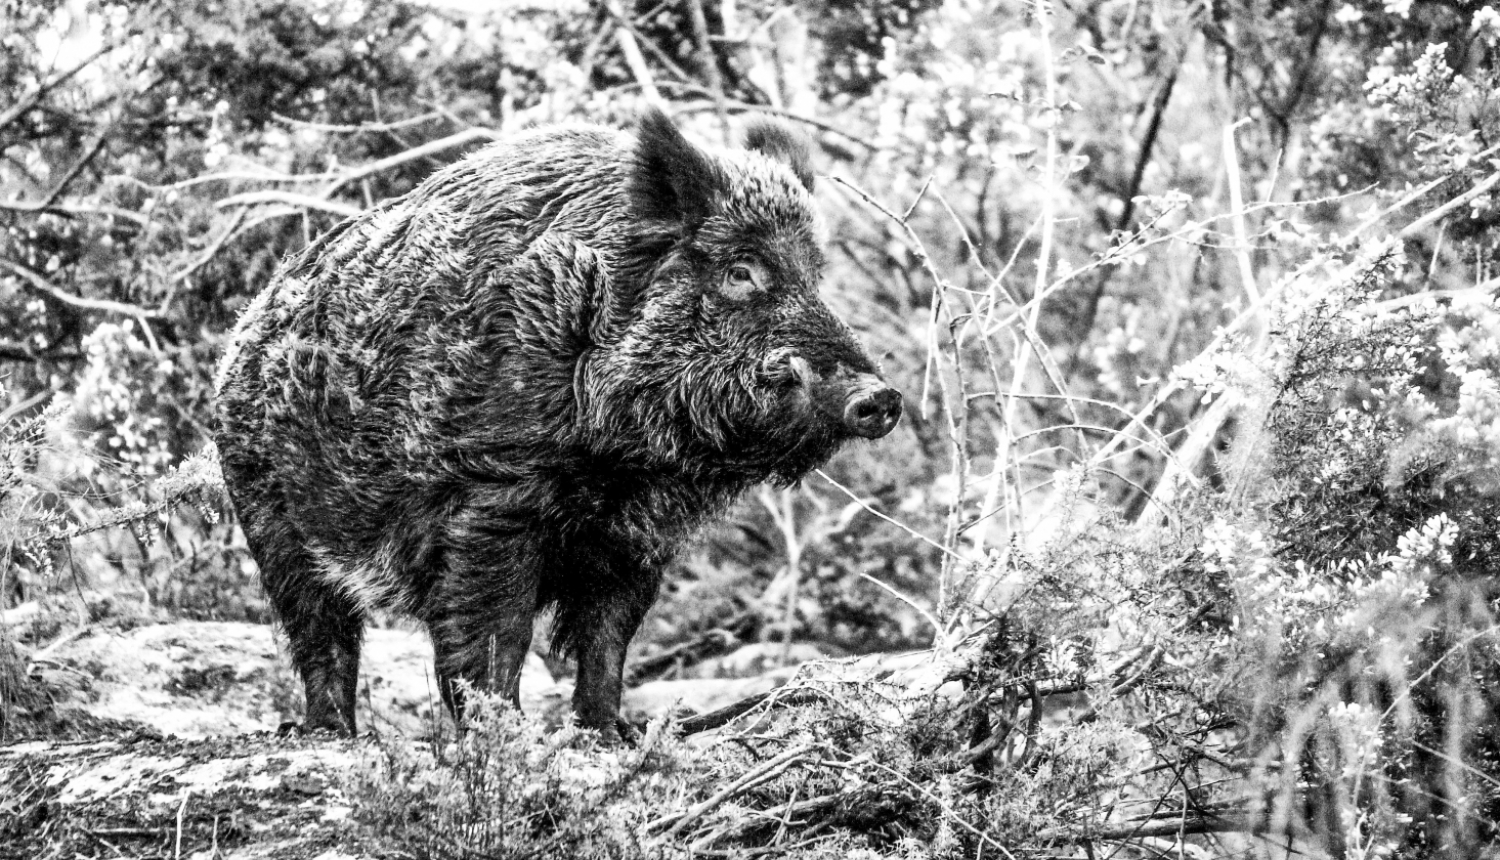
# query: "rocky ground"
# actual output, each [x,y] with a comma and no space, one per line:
[178,752]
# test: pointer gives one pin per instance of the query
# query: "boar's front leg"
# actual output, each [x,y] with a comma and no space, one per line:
[595,624]
[480,611]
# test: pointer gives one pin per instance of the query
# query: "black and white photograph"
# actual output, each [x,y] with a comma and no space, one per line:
[806,429]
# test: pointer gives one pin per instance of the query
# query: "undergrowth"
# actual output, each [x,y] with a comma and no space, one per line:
[507,787]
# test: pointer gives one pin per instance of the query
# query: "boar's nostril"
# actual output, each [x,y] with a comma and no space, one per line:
[872,413]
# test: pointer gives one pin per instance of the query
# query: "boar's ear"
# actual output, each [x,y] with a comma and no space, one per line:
[784,145]
[671,180]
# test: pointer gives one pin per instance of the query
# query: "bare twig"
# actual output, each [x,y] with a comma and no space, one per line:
[1148,661]
[625,35]
[33,98]
[896,593]
[1173,825]
[290,198]
[733,711]
[181,812]
[897,523]
[1237,213]
[361,128]
[42,285]
[1437,214]
[452,141]
[637,40]
[812,122]
[75,209]
[62,184]
[1127,210]
[208,254]
[672,825]
[11,350]
[15,409]
[710,60]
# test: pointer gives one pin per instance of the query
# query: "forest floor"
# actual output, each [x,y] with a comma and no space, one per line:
[169,740]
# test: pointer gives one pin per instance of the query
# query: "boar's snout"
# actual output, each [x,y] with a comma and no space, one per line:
[872,408]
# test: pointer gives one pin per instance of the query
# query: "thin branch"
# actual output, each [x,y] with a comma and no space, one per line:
[1416,194]
[290,198]
[1231,823]
[898,524]
[1437,214]
[76,209]
[77,168]
[208,254]
[15,409]
[710,60]
[734,710]
[1237,213]
[637,40]
[33,98]
[767,771]
[625,35]
[361,128]
[11,350]
[462,138]
[41,284]
[742,107]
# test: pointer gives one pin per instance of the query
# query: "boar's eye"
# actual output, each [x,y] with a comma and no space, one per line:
[742,279]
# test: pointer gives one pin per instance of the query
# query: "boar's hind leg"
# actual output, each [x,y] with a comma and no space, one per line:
[596,627]
[481,610]
[323,626]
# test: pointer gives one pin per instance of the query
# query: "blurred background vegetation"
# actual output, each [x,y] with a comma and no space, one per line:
[1192,303]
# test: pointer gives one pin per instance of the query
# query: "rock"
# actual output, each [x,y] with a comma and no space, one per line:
[698,695]
[756,658]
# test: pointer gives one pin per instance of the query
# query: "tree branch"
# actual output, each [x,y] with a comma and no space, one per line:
[291,198]
[31,99]
[11,350]
[42,285]
[710,61]
[462,138]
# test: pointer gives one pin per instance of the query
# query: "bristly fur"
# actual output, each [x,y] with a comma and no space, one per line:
[523,386]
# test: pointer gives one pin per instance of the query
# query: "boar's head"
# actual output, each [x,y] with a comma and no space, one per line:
[729,359]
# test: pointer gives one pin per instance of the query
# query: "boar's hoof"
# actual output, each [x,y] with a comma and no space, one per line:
[621,733]
[873,411]
[294,729]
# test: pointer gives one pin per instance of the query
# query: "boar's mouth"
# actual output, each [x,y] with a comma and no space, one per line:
[810,419]
[860,405]
[871,408]
[857,403]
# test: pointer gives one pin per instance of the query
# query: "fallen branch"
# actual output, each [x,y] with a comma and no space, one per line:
[707,644]
[1171,823]
[676,823]
[733,711]
[865,808]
